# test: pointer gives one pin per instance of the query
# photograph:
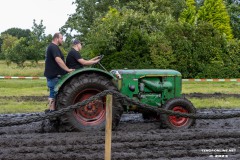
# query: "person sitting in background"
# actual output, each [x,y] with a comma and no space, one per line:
[74,59]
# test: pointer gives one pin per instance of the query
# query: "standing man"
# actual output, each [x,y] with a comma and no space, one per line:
[54,67]
[75,60]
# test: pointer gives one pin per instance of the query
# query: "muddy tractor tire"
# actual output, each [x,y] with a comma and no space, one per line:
[93,115]
[179,105]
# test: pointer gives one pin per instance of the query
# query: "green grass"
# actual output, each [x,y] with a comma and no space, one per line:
[215,102]
[18,87]
[11,106]
[211,87]
[33,70]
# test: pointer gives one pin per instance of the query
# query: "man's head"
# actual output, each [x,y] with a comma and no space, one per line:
[76,45]
[58,39]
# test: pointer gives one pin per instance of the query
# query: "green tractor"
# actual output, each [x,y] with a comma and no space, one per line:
[156,87]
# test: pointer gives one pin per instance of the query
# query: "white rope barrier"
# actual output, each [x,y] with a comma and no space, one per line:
[184,80]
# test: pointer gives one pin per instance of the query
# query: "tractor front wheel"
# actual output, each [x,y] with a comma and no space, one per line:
[179,105]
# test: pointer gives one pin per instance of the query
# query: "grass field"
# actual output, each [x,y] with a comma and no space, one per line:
[211,87]
[11,106]
[17,88]
[35,70]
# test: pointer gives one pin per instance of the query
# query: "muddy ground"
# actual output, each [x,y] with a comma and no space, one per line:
[191,95]
[134,139]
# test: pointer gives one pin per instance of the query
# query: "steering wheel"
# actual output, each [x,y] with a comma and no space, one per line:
[100,57]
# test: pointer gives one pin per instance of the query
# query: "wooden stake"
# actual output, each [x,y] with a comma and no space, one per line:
[108,128]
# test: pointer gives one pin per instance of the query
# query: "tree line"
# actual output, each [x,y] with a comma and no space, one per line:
[199,38]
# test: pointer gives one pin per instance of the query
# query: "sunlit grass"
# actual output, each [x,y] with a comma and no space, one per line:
[211,87]
[11,106]
[16,87]
[30,70]
[215,102]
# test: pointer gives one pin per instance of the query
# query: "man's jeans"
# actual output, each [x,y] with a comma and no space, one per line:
[51,83]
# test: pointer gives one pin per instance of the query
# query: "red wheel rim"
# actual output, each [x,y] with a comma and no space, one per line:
[179,121]
[94,112]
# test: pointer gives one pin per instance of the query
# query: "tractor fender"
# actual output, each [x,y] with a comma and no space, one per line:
[67,77]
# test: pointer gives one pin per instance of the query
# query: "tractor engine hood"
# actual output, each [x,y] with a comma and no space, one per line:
[140,73]
[148,81]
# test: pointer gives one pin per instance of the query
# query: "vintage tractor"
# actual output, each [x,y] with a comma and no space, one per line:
[156,87]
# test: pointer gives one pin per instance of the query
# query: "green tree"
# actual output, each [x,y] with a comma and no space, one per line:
[33,46]
[38,30]
[233,7]
[148,34]
[36,46]
[8,43]
[189,14]
[173,7]
[228,67]
[18,53]
[16,32]
[215,12]
[14,49]
[127,38]
[86,12]
[161,51]
[201,51]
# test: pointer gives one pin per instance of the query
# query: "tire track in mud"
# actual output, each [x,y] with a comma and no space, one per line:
[145,145]
[134,138]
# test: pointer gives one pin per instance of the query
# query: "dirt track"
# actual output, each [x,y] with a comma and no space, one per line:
[134,139]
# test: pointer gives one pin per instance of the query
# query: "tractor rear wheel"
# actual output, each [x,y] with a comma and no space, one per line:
[91,116]
[179,105]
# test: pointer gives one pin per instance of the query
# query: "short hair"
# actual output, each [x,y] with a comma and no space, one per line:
[56,35]
[75,42]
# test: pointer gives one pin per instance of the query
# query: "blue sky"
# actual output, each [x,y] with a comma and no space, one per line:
[20,13]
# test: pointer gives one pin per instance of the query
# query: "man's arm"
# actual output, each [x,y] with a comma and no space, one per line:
[62,64]
[89,62]
[96,58]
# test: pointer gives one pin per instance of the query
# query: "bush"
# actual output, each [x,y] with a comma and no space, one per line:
[17,53]
[199,49]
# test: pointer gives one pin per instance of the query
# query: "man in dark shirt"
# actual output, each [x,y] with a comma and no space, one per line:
[74,59]
[54,67]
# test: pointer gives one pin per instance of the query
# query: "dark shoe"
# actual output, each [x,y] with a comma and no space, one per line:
[46,111]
